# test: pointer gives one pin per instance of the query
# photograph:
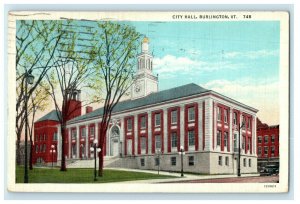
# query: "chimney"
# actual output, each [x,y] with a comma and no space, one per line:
[88,109]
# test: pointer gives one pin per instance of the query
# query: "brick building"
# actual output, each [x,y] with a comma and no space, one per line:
[204,122]
[267,144]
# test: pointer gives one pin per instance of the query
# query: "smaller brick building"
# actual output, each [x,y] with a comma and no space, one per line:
[267,144]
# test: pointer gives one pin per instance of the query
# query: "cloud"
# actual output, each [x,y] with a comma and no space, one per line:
[170,65]
[263,96]
[251,54]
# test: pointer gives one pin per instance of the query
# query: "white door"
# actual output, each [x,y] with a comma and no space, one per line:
[115,148]
[129,147]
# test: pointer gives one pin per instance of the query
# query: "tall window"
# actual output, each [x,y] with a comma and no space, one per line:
[74,134]
[266,151]
[157,119]
[266,139]
[191,135]
[225,139]
[191,114]
[272,150]
[273,138]
[37,149]
[220,160]
[44,148]
[235,141]
[157,142]
[174,117]
[249,162]
[83,132]
[143,122]
[191,161]
[219,137]
[174,139]
[259,151]
[129,124]
[143,143]
[259,139]
[218,113]
[235,118]
[55,136]
[244,161]
[92,131]
[227,161]
[249,123]
[225,116]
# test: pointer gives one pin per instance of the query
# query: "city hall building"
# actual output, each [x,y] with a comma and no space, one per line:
[150,128]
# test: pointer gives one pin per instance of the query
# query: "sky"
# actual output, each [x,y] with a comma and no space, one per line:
[237,59]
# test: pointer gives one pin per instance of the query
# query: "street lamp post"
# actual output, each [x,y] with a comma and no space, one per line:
[158,152]
[95,149]
[239,160]
[52,151]
[28,80]
[181,152]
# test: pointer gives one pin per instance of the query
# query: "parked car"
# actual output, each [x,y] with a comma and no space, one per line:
[269,170]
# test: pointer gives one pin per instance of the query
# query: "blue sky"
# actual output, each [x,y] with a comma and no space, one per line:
[237,59]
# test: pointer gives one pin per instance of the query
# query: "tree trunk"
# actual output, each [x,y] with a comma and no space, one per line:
[63,158]
[30,154]
[18,152]
[101,162]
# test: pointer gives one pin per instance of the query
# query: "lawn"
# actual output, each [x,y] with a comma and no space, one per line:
[53,175]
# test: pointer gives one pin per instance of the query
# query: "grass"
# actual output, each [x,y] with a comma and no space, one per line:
[54,175]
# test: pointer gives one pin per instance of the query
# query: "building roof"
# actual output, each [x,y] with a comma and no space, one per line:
[49,116]
[153,98]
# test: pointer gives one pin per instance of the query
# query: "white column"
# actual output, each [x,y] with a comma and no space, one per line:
[77,142]
[149,133]
[58,142]
[86,140]
[254,136]
[135,134]
[165,125]
[230,129]
[200,122]
[210,125]
[70,142]
[182,125]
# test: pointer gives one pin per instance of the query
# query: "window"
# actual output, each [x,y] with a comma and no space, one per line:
[266,151]
[92,131]
[218,113]
[45,137]
[143,143]
[220,160]
[227,161]
[244,162]
[249,143]
[249,123]
[191,136]
[266,139]
[249,162]
[174,139]
[191,114]
[235,118]
[129,124]
[225,139]
[273,150]
[44,148]
[191,161]
[226,116]
[273,138]
[259,151]
[156,161]
[143,122]
[235,142]
[174,117]
[74,134]
[74,149]
[259,139]
[37,149]
[83,132]
[142,162]
[157,142]
[243,142]
[55,136]
[157,119]
[173,161]
[219,137]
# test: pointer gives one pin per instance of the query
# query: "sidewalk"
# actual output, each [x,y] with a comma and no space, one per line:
[177,176]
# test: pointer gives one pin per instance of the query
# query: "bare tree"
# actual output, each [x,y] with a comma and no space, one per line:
[115,61]
[36,45]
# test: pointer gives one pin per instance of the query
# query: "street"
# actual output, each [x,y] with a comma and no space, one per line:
[254,179]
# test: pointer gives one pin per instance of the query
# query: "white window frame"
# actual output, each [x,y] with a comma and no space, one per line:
[191,113]
[143,122]
[129,124]
[189,134]
[219,136]
[158,142]
[218,114]
[174,117]
[172,139]
[225,139]
[227,161]
[220,161]
[83,130]
[225,116]
[157,119]
[234,118]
